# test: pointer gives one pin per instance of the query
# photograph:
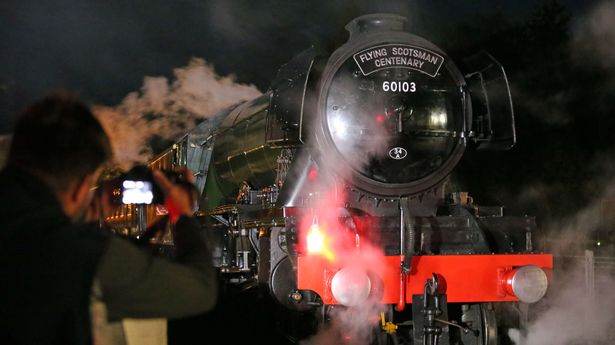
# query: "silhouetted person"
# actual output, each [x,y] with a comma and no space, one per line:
[51,261]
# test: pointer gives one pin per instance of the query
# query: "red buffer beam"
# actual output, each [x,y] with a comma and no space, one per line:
[463,278]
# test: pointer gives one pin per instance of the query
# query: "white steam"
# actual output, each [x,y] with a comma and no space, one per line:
[348,325]
[577,309]
[550,109]
[573,316]
[594,35]
[166,109]
[573,313]
[352,325]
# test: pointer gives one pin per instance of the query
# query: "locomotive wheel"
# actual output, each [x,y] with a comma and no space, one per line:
[479,319]
[490,327]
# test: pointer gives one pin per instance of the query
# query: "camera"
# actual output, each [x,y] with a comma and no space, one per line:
[137,186]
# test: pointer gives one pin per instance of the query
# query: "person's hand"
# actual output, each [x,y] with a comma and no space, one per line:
[179,198]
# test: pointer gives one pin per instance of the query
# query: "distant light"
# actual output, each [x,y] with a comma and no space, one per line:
[598,243]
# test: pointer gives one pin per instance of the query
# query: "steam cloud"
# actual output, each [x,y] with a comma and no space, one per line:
[348,326]
[353,325]
[571,313]
[573,316]
[164,110]
[594,36]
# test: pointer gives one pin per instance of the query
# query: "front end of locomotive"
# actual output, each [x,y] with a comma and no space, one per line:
[375,220]
[393,108]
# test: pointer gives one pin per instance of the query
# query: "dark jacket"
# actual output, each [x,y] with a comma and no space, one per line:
[48,265]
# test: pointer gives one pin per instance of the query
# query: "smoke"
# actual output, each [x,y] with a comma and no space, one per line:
[578,308]
[573,316]
[593,52]
[163,110]
[348,326]
[355,325]
[345,246]
[594,35]
[550,109]
[591,47]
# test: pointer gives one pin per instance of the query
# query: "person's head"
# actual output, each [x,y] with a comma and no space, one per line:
[59,140]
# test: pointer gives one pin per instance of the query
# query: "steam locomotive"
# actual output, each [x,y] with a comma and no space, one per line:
[331,190]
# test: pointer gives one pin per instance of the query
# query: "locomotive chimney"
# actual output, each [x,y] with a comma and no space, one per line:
[375,23]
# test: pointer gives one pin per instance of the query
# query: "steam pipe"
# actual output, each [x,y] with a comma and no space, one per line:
[401,304]
[408,243]
[406,249]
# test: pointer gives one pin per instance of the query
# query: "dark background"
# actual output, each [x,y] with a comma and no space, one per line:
[103,49]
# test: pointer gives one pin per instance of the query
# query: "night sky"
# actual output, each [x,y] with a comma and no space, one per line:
[103,49]
[561,78]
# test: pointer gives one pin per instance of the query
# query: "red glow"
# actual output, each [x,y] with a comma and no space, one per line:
[335,233]
[380,119]
[506,281]
[313,173]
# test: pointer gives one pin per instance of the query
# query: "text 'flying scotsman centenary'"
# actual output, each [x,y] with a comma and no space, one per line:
[399,55]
